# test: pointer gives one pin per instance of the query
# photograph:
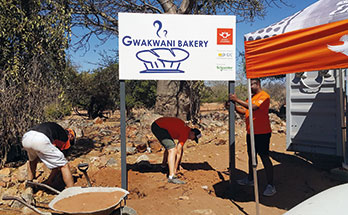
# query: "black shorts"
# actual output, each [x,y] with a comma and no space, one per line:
[261,143]
[163,136]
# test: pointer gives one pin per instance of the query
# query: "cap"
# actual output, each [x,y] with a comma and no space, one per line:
[197,134]
[73,134]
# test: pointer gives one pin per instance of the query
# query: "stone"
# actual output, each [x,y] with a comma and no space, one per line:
[184,198]
[155,146]
[111,162]
[5,172]
[98,120]
[203,212]
[142,158]
[141,147]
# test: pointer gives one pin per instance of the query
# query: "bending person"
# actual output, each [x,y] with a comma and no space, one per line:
[166,129]
[46,142]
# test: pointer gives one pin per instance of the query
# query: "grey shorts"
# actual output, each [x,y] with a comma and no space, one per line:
[163,136]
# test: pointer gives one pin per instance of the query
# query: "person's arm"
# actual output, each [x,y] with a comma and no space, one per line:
[235,99]
[179,153]
[240,110]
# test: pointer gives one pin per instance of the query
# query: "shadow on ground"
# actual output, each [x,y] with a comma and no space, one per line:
[296,179]
[146,166]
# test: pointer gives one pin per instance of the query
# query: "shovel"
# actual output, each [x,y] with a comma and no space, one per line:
[83,168]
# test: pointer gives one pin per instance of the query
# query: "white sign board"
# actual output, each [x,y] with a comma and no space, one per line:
[176,47]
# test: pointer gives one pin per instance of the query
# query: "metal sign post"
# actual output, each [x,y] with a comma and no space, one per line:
[231,134]
[123,135]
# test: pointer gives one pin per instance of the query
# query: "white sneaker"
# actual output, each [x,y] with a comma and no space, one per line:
[270,190]
[245,181]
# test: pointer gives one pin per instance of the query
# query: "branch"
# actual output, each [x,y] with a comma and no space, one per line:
[186,6]
[168,6]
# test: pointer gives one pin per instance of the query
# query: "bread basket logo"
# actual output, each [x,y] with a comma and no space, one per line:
[162,60]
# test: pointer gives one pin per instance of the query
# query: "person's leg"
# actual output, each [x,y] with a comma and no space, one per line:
[262,148]
[67,176]
[165,139]
[165,158]
[267,163]
[32,168]
[53,175]
[263,141]
[171,161]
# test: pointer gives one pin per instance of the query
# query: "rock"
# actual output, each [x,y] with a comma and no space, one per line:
[204,187]
[98,120]
[112,149]
[141,147]
[129,150]
[5,172]
[143,162]
[203,212]
[142,158]
[21,173]
[27,195]
[184,198]
[155,146]
[107,140]
[3,184]
[111,162]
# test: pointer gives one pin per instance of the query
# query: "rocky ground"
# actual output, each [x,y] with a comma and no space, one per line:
[204,168]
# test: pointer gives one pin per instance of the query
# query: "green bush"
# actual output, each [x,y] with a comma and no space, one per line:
[57,110]
[215,92]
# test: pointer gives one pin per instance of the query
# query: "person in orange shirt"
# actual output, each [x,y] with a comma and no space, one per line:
[166,129]
[46,142]
[262,130]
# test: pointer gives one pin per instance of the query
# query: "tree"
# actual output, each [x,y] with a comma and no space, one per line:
[100,18]
[33,38]
[95,91]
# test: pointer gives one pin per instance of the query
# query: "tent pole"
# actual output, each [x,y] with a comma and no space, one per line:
[253,154]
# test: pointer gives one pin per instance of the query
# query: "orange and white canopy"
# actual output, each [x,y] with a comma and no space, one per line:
[315,38]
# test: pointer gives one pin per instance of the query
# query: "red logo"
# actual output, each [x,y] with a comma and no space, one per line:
[224,36]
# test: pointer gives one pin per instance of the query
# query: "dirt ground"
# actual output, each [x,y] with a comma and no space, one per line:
[208,190]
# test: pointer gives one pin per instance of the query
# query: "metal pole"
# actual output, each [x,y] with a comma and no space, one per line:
[345,146]
[253,155]
[123,135]
[232,143]
[343,123]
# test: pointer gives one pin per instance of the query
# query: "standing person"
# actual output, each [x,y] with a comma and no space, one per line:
[166,129]
[262,129]
[46,142]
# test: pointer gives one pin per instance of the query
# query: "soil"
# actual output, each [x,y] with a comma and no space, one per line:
[88,202]
[210,189]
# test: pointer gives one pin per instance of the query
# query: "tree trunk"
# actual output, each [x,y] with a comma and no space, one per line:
[173,99]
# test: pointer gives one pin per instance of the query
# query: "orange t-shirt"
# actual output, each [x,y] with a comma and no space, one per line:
[176,127]
[260,116]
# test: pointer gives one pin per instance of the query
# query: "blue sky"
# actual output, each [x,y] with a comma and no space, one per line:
[88,60]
